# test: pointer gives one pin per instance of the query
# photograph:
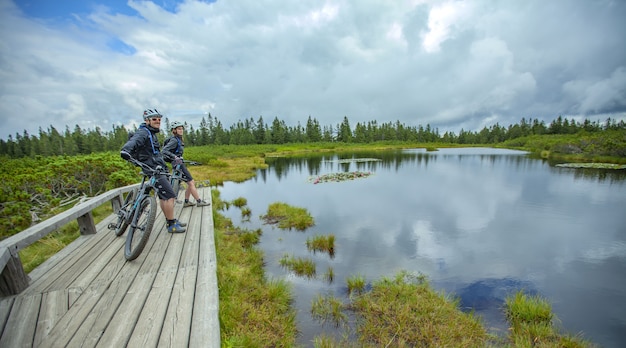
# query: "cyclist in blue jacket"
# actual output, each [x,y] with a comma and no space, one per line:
[145,147]
[173,149]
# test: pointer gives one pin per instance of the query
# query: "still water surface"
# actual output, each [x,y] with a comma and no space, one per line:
[479,223]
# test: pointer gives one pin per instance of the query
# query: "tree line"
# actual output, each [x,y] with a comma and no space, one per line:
[211,131]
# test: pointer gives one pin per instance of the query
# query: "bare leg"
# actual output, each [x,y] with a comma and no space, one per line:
[168,208]
[192,191]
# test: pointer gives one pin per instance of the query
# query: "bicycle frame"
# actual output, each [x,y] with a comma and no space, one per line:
[147,185]
[139,211]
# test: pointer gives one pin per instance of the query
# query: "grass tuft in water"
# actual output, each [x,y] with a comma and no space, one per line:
[246,213]
[356,284]
[329,275]
[298,265]
[531,320]
[406,312]
[329,309]
[322,243]
[288,217]
[239,202]
[525,309]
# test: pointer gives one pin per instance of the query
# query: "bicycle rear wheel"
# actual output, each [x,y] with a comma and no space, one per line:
[122,216]
[141,227]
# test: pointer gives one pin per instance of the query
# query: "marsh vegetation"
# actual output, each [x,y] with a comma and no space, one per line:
[248,300]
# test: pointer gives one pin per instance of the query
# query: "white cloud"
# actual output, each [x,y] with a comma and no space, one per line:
[442,20]
[450,64]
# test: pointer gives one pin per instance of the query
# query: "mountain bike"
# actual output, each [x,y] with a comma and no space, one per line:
[177,175]
[139,211]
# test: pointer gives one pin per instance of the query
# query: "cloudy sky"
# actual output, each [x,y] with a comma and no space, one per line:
[451,64]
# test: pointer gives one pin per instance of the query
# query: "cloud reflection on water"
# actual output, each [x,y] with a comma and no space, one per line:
[466,218]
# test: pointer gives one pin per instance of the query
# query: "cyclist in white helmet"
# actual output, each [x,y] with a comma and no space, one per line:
[173,149]
[145,147]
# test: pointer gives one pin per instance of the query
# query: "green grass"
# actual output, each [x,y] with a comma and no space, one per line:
[322,244]
[356,284]
[329,309]
[240,202]
[298,265]
[253,311]
[288,217]
[405,312]
[532,323]
[329,275]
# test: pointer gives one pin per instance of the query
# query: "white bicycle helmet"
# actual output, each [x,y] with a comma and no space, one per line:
[151,113]
[176,124]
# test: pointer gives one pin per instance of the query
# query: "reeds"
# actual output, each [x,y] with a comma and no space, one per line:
[322,244]
[298,265]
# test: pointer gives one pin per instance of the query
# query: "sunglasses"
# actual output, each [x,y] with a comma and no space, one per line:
[156,119]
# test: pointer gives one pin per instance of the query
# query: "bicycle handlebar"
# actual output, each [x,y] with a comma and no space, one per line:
[193,163]
[147,169]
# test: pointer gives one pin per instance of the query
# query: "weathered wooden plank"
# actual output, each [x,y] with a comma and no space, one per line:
[5,309]
[36,232]
[93,326]
[146,301]
[64,256]
[86,224]
[164,298]
[177,323]
[205,326]
[89,307]
[20,328]
[113,278]
[97,270]
[53,306]
[13,279]
[83,259]
[100,271]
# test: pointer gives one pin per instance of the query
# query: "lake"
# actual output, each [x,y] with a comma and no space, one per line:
[479,223]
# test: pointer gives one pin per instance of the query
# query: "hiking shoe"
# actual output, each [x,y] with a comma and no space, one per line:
[188,204]
[175,228]
[182,224]
[202,203]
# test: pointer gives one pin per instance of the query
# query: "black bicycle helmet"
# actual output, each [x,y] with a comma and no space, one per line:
[151,113]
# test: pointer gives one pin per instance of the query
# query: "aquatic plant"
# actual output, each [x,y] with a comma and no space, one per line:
[337,177]
[298,265]
[322,243]
[329,309]
[288,217]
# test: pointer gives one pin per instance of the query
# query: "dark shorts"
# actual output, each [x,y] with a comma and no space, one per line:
[164,188]
[186,176]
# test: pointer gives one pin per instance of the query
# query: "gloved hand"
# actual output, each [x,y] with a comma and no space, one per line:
[125,155]
[177,161]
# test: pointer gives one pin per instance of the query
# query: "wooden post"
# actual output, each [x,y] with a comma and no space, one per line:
[13,279]
[86,224]
[116,202]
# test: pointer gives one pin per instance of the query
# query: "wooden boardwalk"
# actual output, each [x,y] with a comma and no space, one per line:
[88,295]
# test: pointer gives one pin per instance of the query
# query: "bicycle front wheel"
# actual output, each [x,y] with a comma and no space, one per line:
[176,186]
[141,227]
[123,219]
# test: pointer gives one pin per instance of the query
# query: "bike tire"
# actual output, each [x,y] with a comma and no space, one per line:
[123,219]
[143,221]
[176,186]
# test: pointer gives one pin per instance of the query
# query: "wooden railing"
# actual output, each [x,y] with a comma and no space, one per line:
[13,278]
